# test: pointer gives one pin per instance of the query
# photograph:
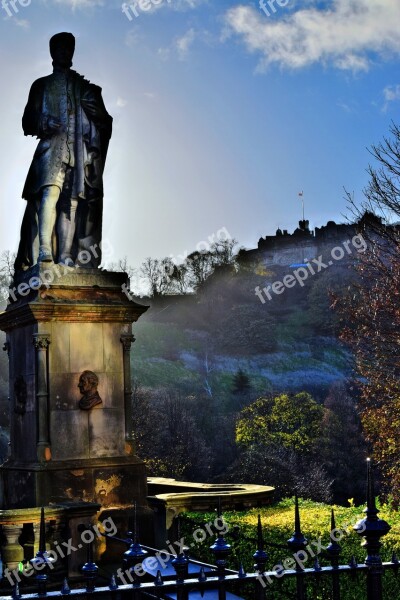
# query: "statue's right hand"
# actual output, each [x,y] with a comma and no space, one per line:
[53,124]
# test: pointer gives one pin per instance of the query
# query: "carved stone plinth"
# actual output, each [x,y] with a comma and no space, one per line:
[81,321]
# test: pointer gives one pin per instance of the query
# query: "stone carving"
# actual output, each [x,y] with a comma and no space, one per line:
[41,341]
[88,382]
[64,186]
[127,340]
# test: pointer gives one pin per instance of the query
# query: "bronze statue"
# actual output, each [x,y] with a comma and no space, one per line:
[88,382]
[64,186]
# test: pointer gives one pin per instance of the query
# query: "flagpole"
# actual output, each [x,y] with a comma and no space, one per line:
[301,194]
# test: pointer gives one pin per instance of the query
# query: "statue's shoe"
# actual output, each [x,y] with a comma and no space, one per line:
[45,256]
[66,261]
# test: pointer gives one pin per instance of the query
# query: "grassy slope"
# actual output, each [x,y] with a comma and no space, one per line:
[278,525]
[279,347]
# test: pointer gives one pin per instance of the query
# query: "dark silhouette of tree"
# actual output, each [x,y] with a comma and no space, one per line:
[343,449]
[241,382]
[156,274]
[122,265]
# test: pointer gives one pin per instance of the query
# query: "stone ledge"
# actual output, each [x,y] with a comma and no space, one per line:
[73,312]
[62,276]
[202,497]
[62,465]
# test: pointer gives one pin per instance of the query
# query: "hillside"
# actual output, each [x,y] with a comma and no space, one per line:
[196,344]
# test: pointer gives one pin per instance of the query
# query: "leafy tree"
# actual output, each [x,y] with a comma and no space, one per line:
[278,437]
[291,421]
[371,316]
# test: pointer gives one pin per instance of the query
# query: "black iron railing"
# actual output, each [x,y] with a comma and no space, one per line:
[180,578]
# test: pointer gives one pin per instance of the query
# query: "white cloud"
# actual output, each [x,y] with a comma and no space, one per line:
[391,93]
[164,54]
[341,33]
[184,43]
[81,3]
[175,5]
[133,37]
[344,106]
[180,46]
[24,23]
[186,4]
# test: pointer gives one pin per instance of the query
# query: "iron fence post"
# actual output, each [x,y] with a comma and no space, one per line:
[221,551]
[297,544]
[260,561]
[333,551]
[89,569]
[372,529]
[181,566]
[42,561]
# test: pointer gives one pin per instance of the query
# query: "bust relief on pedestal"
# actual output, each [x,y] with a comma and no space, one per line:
[88,382]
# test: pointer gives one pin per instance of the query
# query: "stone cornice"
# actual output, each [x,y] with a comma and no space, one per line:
[72,312]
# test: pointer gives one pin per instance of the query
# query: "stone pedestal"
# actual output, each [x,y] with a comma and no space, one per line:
[60,322]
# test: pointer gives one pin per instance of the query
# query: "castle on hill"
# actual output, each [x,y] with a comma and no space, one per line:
[288,249]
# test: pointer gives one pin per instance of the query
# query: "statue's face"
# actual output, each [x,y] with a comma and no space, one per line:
[63,55]
[84,385]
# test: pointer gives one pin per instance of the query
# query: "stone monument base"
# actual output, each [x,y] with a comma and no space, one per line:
[117,481]
[62,322]
[73,456]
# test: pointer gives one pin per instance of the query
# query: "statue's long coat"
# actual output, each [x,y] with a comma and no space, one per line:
[85,148]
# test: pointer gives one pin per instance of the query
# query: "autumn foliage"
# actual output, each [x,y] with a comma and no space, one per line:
[371,314]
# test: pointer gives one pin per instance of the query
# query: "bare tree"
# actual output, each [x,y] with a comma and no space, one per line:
[200,265]
[157,275]
[7,260]
[122,265]
[180,279]
[208,369]
[223,252]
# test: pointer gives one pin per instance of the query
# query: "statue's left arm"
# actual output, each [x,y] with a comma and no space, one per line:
[93,105]
[95,110]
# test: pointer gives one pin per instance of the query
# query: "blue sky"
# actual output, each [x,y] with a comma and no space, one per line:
[222,114]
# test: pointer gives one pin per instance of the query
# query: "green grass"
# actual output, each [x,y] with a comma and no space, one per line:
[164,373]
[278,526]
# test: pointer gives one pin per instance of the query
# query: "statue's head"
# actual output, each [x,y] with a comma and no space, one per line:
[62,48]
[88,382]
